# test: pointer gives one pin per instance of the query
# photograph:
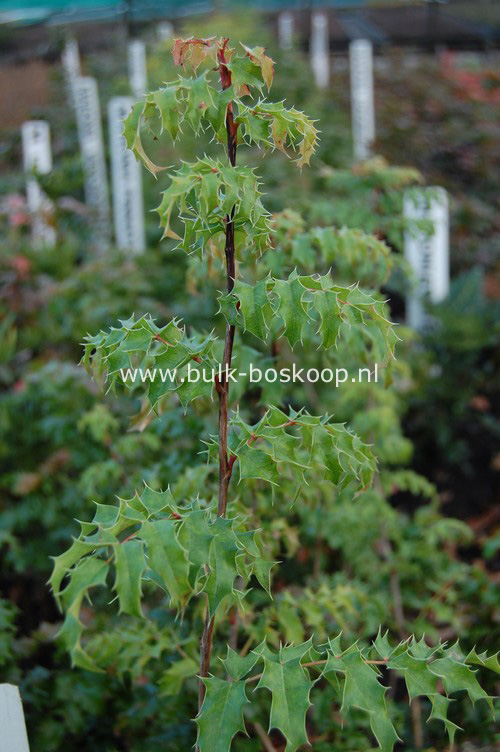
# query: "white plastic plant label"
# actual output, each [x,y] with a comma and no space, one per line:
[71,64]
[137,68]
[427,254]
[13,736]
[37,159]
[320,58]
[285,30]
[88,118]
[362,99]
[126,182]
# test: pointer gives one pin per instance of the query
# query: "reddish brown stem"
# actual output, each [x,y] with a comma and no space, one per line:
[231,129]
[222,384]
[205,653]
[164,341]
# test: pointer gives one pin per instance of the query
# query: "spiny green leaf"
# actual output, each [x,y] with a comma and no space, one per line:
[457,676]
[168,107]
[64,562]
[70,635]
[483,659]
[326,304]
[418,677]
[237,666]
[222,563]
[130,566]
[244,72]
[217,547]
[136,339]
[420,649]
[290,687]
[262,571]
[257,55]
[198,96]
[90,572]
[117,361]
[195,382]
[313,446]
[290,307]
[221,715]
[348,312]
[163,351]
[363,690]
[439,713]
[204,193]
[383,646]
[196,536]
[289,127]
[256,128]
[156,501]
[111,521]
[255,463]
[131,124]
[217,112]
[167,558]
[254,306]
[131,131]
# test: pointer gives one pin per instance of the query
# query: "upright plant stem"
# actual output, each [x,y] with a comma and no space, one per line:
[222,385]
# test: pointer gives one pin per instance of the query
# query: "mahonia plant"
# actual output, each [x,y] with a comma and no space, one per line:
[195,548]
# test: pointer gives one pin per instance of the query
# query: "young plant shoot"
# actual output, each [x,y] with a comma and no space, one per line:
[201,551]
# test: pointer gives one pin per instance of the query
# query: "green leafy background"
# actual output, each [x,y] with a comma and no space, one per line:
[390,556]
